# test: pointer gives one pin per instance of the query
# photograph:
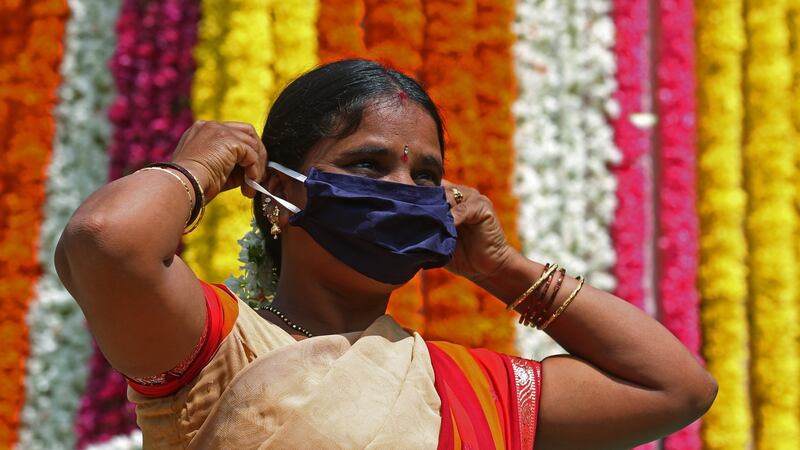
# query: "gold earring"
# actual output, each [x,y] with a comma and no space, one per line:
[265,205]
[273,219]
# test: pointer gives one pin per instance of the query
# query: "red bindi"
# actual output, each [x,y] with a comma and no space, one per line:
[404,158]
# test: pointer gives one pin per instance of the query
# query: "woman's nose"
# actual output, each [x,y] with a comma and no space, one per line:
[400,176]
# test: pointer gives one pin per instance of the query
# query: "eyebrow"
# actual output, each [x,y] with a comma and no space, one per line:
[427,160]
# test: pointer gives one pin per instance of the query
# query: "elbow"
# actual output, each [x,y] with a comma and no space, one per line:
[696,396]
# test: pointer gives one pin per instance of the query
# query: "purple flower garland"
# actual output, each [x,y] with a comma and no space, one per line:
[678,222]
[153,69]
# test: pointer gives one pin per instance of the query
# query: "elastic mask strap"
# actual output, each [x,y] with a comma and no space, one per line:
[261,189]
[281,168]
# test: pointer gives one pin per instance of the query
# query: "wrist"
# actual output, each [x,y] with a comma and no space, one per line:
[512,277]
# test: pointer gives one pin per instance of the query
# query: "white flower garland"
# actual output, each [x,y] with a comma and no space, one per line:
[132,441]
[60,344]
[565,69]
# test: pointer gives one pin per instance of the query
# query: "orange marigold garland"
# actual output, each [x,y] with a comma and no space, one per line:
[339,31]
[394,33]
[453,306]
[496,91]
[30,55]
[394,36]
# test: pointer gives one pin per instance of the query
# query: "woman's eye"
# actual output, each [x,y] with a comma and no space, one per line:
[365,165]
[426,178]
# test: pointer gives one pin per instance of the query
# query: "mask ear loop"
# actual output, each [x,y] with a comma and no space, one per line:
[281,201]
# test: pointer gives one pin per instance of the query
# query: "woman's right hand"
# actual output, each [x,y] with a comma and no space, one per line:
[220,154]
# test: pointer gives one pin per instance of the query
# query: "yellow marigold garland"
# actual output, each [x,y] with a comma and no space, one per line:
[720,42]
[294,32]
[242,79]
[771,219]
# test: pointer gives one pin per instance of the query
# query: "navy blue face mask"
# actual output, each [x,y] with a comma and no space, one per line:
[384,230]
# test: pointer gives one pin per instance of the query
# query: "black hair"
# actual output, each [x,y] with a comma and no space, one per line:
[329,101]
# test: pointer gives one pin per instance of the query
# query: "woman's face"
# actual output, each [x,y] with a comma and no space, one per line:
[376,150]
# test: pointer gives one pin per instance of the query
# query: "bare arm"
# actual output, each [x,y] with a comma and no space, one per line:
[627,380]
[116,255]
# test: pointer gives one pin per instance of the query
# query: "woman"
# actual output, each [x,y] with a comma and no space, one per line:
[354,205]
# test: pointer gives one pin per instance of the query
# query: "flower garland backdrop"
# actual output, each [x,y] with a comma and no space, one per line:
[632,227]
[564,142]
[60,344]
[769,165]
[721,201]
[577,85]
[452,305]
[291,60]
[677,219]
[152,69]
[394,35]
[30,55]
[243,82]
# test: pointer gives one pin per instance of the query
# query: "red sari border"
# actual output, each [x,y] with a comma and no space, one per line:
[513,385]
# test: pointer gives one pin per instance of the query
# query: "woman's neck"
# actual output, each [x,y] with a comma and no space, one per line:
[326,307]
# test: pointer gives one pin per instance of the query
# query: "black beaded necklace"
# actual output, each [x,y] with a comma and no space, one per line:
[286,320]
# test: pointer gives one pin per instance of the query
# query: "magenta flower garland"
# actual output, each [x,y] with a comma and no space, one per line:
[631,228]
[678,223]
[152,69]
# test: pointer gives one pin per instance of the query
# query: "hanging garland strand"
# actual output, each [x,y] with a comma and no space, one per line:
[677,240]
[152,69]
[564,143]
[452,305]
[496,90]
[291,59]
[30,55]
[60,343]
[395,32]
[722,275]
[769,166]
[339,31]
[243,82]
[630,231]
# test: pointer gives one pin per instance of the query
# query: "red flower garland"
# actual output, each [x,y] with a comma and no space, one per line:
[678,223]
[153,69]
[30,55]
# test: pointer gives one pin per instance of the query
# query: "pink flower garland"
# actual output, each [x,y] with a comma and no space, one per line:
[631,228]
[153,69]
[632,223]
[678,223]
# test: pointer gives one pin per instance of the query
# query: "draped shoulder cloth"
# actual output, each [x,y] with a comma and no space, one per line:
[384,387]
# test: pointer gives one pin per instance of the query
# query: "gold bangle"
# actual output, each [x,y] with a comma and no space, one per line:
[564,305]
[188,192]
[533,287]
[196,222]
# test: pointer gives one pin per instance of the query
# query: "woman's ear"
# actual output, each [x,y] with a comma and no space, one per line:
[287,188]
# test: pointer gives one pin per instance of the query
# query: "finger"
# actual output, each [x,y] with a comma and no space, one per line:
[470,212]
[261,154]
[243,126]
[247,158]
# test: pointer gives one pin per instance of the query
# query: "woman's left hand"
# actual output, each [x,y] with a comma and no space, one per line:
[482,250]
